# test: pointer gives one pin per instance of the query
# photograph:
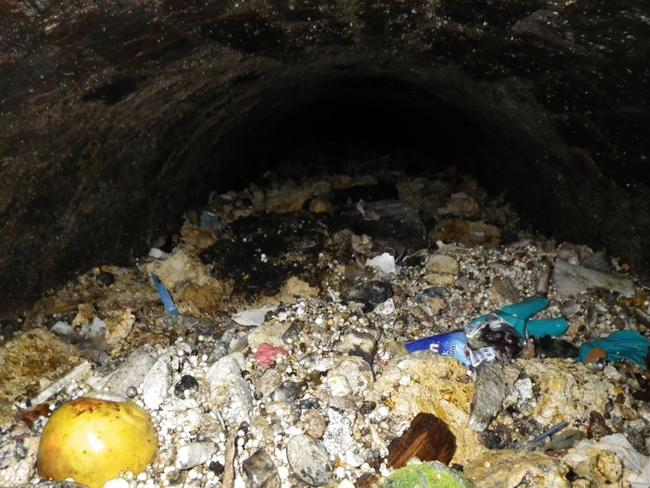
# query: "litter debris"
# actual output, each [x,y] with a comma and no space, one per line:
[165,297]
[497,335]
[327,330]
[210,220]
[267,354]
[384,263]
[427,439]
[619,345]
[92,441]
[156,253]
[426,475]
[253,316]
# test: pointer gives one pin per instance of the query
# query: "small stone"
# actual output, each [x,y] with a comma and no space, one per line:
[385,263]
[338,385]
[320,205]
[315,423]
[460,205]
[573,280]
[356,371]
[441,270]
[229,391]
[194,454]
[131,373]
[156,384]
[467,233]
[503,291]
[62,328]
[434,305]
[104,278]
[488,395]
[260,471]
[564,440]
[369,294]
[288,391]
[598,262]
[597,426]
[309,460]
[185,386]
[359,344]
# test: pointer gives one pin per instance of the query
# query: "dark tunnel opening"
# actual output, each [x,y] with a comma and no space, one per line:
[362,119]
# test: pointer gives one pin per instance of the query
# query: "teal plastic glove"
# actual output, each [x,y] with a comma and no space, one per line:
[519,314]
[623,344]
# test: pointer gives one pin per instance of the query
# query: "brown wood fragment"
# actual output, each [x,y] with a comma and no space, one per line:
[428,439]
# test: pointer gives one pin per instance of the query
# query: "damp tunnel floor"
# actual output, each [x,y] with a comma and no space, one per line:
[312,328]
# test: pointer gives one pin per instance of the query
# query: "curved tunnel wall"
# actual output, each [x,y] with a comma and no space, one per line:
[141,110]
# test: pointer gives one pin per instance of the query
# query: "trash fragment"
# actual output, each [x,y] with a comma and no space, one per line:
[92,441]
[497,335]
[156,253]
[426,475]
[384,263]
[428,439]
[619,345]
[538,441]
[210,220]
[165,297]
[253,317]
[267,354]
[30,415]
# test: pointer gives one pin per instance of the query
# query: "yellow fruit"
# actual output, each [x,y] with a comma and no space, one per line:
[91,441]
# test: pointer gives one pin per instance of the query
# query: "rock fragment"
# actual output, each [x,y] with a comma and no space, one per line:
[488,395]
[369,294]
[441,270]
[309,460]
[131,372]
[512,469]
[260,471]
[572,280]
[156,384]
[194,454]
[229,392]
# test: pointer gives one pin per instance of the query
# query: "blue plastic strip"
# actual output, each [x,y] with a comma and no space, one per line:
[165,297]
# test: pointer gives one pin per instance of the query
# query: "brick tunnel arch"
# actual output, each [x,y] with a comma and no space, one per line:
[141,110]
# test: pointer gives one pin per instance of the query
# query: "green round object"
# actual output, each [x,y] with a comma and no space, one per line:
[426,475]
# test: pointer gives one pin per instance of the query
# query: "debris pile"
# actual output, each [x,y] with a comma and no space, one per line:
[290,335]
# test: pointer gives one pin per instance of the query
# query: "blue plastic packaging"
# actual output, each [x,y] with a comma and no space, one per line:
[497,335]
[165,297]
